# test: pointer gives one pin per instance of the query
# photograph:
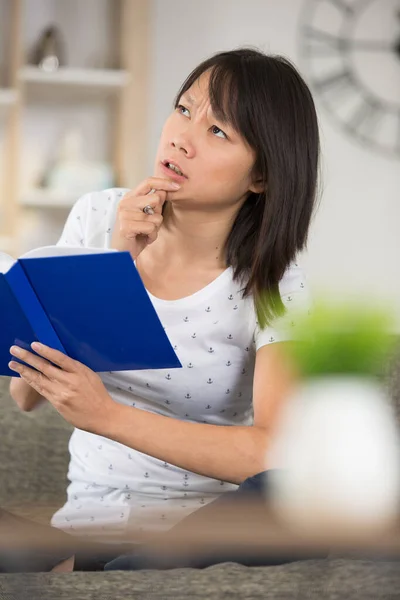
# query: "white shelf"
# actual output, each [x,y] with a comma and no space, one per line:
[8,98]
[48,199]
[69,83]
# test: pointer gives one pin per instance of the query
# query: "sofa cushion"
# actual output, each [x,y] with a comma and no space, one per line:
[312,580]
[33,454]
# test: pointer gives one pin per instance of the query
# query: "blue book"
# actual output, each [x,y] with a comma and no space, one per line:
[88,303]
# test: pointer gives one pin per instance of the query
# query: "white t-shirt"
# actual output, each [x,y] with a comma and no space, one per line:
[215,335]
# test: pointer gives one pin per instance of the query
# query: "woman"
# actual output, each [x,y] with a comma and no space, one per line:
[215,233]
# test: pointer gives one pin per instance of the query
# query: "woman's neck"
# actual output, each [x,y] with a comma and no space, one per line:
[193,238]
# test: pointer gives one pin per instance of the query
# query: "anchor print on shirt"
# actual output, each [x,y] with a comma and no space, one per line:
[208,309]
[190,366]
[208,407]
[110,467]
[168,377]
[271,339]
[235,307]
[185,480]
[186,319]
[229,337]
[146,475]
[209,380]
[194,336]
[188,396]
[228,364]
[230,297]
[211,350]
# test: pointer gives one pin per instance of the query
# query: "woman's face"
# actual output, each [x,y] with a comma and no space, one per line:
[215,160]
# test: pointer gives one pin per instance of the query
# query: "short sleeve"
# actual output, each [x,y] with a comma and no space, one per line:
[296,297]
[74,231]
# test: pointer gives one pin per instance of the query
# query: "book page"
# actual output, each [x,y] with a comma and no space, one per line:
[6,262]
[64,251]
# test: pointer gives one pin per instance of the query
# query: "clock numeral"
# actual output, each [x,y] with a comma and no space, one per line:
[398,134]
[366,115]
[324,43]
[342,80]
[343,6]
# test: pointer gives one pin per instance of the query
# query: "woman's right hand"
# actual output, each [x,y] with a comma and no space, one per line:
[134,229]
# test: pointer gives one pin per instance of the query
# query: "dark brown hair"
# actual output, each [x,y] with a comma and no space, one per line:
[266,100]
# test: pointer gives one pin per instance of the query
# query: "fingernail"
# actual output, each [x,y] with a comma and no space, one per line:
[175,185]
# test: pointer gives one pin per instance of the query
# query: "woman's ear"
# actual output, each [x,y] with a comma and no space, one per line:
[257,186]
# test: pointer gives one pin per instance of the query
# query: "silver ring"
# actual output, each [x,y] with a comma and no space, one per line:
[148,210]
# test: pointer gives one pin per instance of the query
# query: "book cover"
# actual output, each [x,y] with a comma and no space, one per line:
[89,303]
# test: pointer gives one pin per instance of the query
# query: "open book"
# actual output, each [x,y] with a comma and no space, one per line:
[88,303]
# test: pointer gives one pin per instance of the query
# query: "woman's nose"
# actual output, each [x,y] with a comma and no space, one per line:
[181,142]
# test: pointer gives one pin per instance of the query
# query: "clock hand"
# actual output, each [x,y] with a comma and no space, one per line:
[374,46]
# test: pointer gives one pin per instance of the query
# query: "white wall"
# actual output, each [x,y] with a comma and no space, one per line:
[354,247]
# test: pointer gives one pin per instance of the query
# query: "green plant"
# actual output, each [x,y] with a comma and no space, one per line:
[342,339]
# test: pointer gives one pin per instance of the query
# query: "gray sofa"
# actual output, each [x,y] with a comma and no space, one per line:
[33,466]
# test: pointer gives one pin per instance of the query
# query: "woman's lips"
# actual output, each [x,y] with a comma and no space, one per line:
[172,174]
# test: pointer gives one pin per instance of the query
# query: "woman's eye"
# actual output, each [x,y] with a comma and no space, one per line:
[214,127]
[180,106]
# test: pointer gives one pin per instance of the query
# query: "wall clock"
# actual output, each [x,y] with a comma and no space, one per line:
[350,51]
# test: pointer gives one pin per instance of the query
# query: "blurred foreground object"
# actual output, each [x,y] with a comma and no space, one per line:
[337,444]
[49,52]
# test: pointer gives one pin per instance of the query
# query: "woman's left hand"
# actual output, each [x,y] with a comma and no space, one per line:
[74,390]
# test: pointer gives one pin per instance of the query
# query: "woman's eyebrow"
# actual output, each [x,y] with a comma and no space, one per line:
[188,98]
[192,101]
